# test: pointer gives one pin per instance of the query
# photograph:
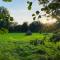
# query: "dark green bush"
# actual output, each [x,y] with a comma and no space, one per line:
[36,42]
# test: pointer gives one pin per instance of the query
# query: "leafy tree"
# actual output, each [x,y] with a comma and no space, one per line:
[51,7]
[36,14]
[24,27]
[13,27]
[49,28]
[18,28]
[5,17]
[35,26]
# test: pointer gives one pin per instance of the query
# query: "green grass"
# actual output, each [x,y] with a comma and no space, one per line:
[20,37]
[16,46]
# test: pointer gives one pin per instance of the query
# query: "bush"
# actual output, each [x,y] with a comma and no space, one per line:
[55,37]
[36,42]
[28,32]
[3,30]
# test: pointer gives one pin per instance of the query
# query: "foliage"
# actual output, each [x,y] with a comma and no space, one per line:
[55,38]
[15,46]
[35,26]
[37,13]
[30,5]
[28,32]
[3,31]
[19,49]
[24,27]
[7,0]
[51,7]
[37,42]
[5,17]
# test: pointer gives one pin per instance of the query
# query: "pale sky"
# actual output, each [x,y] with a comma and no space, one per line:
[18,10]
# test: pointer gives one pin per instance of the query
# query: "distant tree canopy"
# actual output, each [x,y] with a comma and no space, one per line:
[6,22]
[32,27]
[51,7]
[35,26]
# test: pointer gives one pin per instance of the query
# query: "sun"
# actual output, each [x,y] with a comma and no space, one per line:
[49,20]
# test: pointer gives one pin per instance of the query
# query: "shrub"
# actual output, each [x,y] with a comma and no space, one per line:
[39,51]
[3,30]
[28,32]
[36,42]
[55,38]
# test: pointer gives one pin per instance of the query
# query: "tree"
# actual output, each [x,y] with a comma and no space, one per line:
[49,28]
[24,27]
[37,14]
[51,7]
[18,28]
[5,17]
[13,27]
[35,26]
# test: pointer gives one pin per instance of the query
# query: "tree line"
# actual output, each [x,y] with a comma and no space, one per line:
[7,22]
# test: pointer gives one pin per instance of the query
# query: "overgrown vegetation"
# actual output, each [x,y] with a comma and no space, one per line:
[34,47]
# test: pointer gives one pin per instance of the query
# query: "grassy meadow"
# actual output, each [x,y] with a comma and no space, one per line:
[20,36]
[17,46]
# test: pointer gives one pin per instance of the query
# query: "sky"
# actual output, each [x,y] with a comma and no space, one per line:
[18,10]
